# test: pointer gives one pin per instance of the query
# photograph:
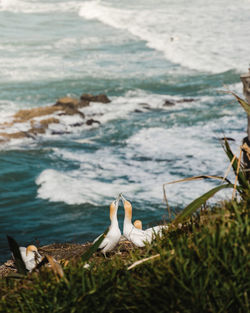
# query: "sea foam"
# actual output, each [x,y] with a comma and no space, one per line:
[195,36]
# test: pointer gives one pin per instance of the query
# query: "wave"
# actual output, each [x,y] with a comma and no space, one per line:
[138,168]
[20,6]
[200,37]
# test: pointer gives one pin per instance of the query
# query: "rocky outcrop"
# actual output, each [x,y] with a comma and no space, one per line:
[99,98]
[91,121]
[171,102]
[66,106]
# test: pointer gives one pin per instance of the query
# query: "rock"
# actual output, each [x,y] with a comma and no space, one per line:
[73,111]
[185,100]
[83,103]
[68,101]
[25,115]
[44,123]
[169,103]
[138,111]
[59,132]
[73,103]
[63,106]
[99,98]
[18,135]
[92,121]
[39,127]
[76,124]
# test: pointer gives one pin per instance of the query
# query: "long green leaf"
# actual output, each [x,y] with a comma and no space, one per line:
[241,176]
[197,203]
[21,268]
[86,256]
[245,105]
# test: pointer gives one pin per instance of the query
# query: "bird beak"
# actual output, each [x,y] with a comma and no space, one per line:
[123,199]
[118,199]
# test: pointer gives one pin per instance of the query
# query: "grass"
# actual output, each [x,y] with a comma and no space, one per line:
[203,267]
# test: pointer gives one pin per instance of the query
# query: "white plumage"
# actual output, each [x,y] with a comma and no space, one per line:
[114,234]
[137,236]
[31,257]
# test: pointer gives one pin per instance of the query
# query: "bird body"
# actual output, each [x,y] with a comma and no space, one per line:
[156,230]
[152,231]
[31,257]
[114,234]
[137,236]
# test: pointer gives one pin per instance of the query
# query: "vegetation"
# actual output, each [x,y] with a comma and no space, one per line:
[201,267]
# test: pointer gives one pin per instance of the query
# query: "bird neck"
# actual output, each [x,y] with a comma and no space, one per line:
[113,219]
[127,224]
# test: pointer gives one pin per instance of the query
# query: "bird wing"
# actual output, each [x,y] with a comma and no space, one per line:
[103,243]
[23,252]
[138,237]
[97,238]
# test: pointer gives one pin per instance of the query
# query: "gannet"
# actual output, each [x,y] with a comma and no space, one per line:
[31,257]
[114,234]
[138,224]
[133,234]
[156,230]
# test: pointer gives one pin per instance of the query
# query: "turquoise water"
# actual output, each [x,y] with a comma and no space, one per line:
[58,188]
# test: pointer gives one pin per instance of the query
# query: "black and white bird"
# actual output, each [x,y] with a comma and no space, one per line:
[31,257]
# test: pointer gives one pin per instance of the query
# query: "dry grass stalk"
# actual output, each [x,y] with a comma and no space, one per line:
[143,260]
[229,167]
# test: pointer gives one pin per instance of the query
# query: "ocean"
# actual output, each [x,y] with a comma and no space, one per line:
[57,188]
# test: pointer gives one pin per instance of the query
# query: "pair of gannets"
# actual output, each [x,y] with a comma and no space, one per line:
[133,233]
[31,257]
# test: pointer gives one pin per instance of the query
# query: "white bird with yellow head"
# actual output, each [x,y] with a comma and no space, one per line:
[114,234]
[136,235]
[31,257]
[153,231]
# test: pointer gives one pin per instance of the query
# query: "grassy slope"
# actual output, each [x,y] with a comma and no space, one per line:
[203,267]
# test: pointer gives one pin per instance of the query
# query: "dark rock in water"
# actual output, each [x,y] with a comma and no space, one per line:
[72,103]
[71,111]
[92,121]
[169,103]
[76,124]
[185,100]
[138,111]
[83,103]
[55,132]
[99,98]
[145,106]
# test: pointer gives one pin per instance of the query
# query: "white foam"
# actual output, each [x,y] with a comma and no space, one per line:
[147,160]
[197,36]
[21,6]
[67,187]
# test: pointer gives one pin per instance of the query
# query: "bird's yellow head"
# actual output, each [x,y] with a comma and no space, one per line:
[138,224]
[127,207]
[114,207]
[31,248]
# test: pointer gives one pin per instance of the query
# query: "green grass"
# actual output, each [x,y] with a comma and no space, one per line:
[203,267]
